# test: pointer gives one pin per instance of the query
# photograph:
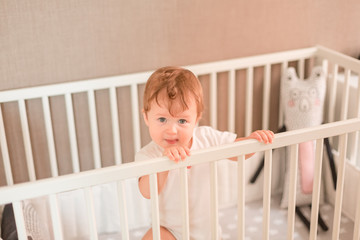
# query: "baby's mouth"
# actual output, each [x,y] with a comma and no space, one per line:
[171,141]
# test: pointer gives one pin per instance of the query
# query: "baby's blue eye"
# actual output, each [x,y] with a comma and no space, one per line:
[162,119]
[182,121]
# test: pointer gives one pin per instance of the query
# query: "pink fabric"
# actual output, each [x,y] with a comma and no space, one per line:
[306,161]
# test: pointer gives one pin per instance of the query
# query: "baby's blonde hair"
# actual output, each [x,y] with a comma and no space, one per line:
[178,83]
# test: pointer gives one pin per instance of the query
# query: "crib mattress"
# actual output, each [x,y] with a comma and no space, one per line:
[278,223]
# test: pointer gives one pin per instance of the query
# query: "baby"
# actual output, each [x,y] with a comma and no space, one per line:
[173,105]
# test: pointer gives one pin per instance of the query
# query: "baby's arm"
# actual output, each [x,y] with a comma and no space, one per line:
[175,153]
[144,183]
[264,136]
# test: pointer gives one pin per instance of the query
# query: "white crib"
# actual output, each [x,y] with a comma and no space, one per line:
[90,176]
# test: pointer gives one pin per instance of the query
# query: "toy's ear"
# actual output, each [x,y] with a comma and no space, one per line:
[289,80]
[290,75]
[317,74]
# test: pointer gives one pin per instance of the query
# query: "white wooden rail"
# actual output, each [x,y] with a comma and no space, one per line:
[86,180]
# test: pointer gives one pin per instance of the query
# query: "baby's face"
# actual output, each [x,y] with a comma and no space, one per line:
[167,130]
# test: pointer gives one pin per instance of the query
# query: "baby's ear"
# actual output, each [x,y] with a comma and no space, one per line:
[198,118]
[145,117]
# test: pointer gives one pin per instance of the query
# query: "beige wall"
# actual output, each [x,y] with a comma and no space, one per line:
[47,41]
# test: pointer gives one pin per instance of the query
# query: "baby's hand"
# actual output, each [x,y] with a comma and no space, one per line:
[177,153]
[265,136]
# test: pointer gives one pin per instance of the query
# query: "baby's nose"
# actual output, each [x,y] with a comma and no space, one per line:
[172,128]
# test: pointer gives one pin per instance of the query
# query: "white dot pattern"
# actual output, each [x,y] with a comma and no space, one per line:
[278,224]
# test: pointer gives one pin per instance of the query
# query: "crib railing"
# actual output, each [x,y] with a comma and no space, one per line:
[67,91]
[86,180]
[335,62]
[331,60]
[21,138]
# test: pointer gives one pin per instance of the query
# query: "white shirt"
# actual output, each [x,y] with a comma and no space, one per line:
[198,185]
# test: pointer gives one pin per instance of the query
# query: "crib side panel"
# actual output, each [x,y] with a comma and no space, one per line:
[343,93]
[65,128]
[241,95]
[89,124]
[343,102]
[86,184]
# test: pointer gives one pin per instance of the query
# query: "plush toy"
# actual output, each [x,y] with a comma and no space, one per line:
[302,102]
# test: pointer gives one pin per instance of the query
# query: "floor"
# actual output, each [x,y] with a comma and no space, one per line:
[278,223]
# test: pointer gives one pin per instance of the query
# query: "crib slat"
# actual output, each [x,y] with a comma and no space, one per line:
[49,136]
[122,209]
[345,96]
[292,190]
[231,101]
[27,141]
[325,66]
[5,151]
[284,66]
[19,220]
[355,135]
[185,203]
[94,129]
[358,95]
[266,97]
[332,93]
[357,217]
[316,189]
[154,206]
[55,217]
[91,213]
[72,132]
[241,197]
[355,157]
[267,193]
[115,125]
[214,214]
[213,100]
[249,100]
[301,67]
[339,185]
[135,116]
